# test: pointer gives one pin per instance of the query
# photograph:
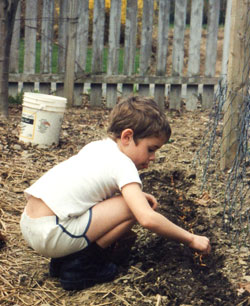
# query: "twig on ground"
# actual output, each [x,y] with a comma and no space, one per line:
[158,301]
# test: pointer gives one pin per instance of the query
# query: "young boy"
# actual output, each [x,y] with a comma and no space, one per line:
[86,203]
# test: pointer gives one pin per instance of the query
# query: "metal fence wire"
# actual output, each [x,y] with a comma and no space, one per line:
[235,194]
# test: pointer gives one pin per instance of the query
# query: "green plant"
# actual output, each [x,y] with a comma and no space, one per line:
[18,99]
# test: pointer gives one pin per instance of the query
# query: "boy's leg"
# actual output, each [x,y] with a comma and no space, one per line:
[110,220]
[113,235]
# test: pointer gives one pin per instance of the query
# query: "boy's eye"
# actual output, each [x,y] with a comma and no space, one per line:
[150,150]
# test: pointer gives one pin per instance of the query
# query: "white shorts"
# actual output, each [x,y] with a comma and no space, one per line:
[52,237]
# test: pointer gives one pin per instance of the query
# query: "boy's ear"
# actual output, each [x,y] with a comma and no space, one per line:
[127,136]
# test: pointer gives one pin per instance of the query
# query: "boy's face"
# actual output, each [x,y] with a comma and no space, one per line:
[144,151]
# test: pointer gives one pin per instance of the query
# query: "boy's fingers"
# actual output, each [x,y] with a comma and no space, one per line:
[203,244]
[207,251]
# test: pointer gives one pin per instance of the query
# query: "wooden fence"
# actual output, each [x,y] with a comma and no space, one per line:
[171,62]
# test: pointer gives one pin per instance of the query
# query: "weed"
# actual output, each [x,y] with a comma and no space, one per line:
[18,99]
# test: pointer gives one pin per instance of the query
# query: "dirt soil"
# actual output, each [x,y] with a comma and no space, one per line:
[157,271]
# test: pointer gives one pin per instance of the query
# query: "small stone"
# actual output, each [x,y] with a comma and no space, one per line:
[244,250]
[17,147]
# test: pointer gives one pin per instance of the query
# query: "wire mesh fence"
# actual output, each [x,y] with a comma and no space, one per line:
[235,187]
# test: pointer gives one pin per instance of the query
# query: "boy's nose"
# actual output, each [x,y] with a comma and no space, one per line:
[152,156]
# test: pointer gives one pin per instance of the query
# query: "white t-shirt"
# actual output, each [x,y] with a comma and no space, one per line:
[96,173]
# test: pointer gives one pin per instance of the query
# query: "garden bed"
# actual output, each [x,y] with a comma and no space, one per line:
[158,271]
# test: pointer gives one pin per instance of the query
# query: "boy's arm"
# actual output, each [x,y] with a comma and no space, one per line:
[151,200]
[157,223]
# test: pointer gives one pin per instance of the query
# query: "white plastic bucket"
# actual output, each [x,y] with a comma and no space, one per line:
[42,117]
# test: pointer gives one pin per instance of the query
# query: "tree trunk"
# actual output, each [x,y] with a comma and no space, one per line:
[7,18]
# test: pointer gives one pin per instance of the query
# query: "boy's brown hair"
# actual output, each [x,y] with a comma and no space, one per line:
[142,115]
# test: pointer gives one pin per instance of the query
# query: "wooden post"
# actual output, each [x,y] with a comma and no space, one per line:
[71,51]
[237,78]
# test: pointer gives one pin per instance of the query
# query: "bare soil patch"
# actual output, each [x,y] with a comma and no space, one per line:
[158,271]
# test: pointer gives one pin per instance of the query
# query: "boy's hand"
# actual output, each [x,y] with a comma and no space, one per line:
[200,243]
[151,200]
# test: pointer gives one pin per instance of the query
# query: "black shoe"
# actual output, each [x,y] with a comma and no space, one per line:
[93,252]
[77,276]
[55,267]
[56,263]
[83,269]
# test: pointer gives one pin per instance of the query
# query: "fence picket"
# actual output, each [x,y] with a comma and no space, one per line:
[207,96]
[146,43]
[211,51]
[113,55]
[62,35]
[130,43]
[212,36]
[70,54]
[47,36]
[82,36]
[44,87]
[97,50]
[195,37]
[162,49]
[179,32]
[178,50]
[30,36]
[226,38]
[194,52]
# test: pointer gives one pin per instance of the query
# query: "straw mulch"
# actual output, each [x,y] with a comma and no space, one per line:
[159,272]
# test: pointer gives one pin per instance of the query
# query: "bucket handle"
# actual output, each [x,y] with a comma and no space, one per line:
[41,106]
